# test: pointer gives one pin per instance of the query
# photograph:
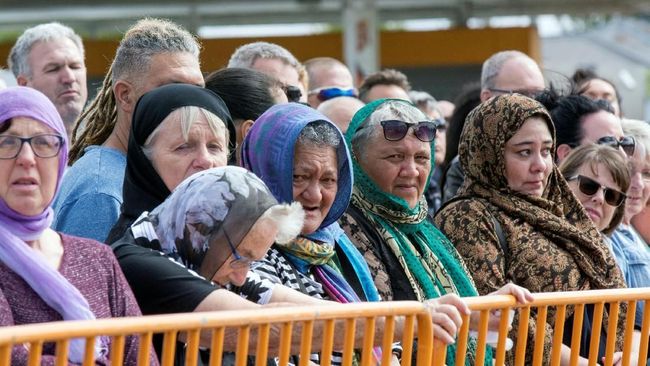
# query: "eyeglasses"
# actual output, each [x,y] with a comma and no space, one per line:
[627,143]
[240,261]
[327,93]
[395,130]
[43,146]
[527,92]
[293,93]
[590,187]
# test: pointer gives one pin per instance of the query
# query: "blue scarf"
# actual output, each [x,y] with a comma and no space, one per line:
[268,151]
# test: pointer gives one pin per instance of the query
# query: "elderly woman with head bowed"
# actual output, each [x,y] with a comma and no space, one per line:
[302,157]
[409,259]
[177,130]
[516,219]
[213,225]
[44,275]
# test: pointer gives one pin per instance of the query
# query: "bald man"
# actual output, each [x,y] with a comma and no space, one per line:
[340,110]
[504,72]
[328,78]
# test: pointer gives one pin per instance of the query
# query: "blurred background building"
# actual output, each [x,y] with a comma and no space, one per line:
[439,44]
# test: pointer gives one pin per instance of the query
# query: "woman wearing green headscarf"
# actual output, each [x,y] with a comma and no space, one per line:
[392,145]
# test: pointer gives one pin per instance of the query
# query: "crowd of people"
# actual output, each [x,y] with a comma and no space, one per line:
[276,182]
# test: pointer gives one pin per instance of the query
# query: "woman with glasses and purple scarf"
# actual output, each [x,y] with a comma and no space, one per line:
[44,275]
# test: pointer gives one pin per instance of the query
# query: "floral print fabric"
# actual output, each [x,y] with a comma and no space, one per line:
[552,244]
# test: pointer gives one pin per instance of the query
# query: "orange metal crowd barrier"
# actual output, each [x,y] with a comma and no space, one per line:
[293,331]
[337,323]
[602,299]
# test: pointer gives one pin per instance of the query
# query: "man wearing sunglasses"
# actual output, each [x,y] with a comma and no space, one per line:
[328,78]
[273,60]
[580,120]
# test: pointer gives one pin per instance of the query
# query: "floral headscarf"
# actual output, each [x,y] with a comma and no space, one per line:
[557,214]
[547,243]
[201,208]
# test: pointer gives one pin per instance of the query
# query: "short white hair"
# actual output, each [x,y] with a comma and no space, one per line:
[246,55]
[47,32]
[493,65]
[289,219]
[391,109]
[187,117]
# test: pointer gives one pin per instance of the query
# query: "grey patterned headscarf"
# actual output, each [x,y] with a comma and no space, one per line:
[190,223]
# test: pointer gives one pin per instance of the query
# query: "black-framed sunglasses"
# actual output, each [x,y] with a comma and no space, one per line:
[627,143]
[531,93]
[293,93]
[240,261]
[395,130]
[590,187]
[43,146]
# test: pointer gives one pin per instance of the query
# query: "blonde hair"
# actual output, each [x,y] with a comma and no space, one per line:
[612,160]
[187,116]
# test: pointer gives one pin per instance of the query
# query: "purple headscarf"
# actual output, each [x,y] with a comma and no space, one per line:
[16,229]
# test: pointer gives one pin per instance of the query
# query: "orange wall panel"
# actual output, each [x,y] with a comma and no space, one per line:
[397,49]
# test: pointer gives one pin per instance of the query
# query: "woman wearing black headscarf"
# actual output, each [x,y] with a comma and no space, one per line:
[177,130]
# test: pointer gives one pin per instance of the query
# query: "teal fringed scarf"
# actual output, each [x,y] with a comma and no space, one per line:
[407,232]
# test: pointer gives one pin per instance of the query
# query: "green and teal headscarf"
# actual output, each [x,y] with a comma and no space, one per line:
[439,270]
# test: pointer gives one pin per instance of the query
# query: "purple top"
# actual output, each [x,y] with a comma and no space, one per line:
[93,270]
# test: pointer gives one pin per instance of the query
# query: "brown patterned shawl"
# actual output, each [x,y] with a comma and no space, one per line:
[552,243]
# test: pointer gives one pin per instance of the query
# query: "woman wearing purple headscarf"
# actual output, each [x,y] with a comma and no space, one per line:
[44,275]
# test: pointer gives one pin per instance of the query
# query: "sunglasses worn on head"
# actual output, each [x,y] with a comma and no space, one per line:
[324,94]
[627,143]
[395,130]
[590,187]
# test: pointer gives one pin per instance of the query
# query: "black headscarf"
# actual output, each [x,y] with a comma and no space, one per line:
[143,188]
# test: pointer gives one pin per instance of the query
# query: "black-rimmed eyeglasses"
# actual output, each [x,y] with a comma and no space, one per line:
[395,130]
[590,187]
[43,146]
[240,261]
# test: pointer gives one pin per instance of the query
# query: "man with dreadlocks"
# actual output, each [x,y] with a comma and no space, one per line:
[152,53]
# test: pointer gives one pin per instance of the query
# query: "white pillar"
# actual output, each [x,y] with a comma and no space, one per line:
[361,37]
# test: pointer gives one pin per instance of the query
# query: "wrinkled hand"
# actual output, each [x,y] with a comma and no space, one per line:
[446,316]
[521,294]
[617,360]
